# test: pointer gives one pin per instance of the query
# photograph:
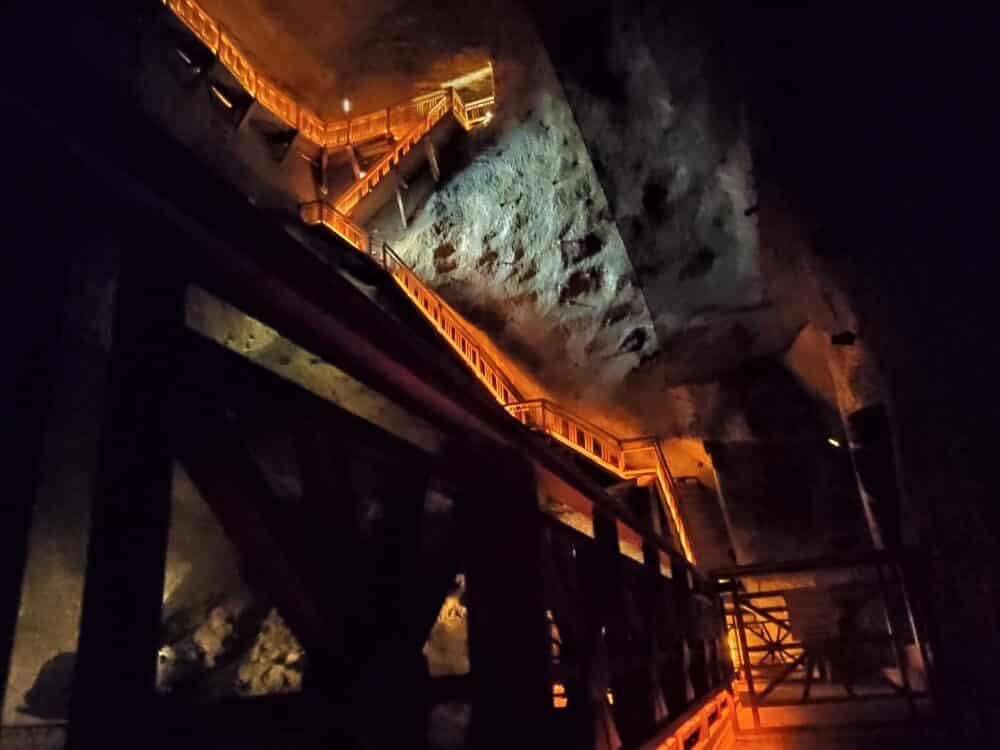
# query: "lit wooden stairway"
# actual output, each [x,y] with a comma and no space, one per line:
[397,130]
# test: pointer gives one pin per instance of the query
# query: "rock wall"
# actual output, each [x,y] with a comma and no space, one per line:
[602,230]
[519,237]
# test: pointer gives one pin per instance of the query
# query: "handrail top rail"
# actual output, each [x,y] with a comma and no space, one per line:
[458,322]
[828,562]
[590,426]
[284,105]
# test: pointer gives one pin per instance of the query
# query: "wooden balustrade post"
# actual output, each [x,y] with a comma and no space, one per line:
[501,534]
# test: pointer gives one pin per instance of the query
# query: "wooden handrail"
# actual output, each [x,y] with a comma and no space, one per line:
[333,133]
[607,450]
[596,444]
[353,195]
[414,119]
[677,734]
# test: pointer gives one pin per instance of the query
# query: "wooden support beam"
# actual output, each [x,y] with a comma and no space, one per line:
[35,299]
[120,621]
[432,158]
[402,207]
[508,631]
[352,154]
[243,113]
[324,163]
[272,551]
[255,265]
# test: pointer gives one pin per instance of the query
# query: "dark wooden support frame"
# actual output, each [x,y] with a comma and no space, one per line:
[120,620]
[502,533]
[36,297]
[801,655]
[224,244]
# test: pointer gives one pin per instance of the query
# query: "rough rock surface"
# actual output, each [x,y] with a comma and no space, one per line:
[672,157]
[601,231]
[276,661]
[447,646]
[519,238]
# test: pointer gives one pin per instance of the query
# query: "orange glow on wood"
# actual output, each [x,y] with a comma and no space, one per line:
[720,704]
[559,699]
[335,133]
[409,122]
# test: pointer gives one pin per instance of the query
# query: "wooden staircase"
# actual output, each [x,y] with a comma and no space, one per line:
[402,127]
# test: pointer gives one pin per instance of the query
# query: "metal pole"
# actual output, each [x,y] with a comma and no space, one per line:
[745,653]
[896,647]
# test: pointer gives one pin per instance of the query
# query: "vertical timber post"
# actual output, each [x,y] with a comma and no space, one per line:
[652,606]
[36,293]
[501,534]
[684,604]
[120,621]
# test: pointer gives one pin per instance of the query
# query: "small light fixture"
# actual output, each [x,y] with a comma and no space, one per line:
[221,97]
[362,174]
[833,441]
[487,118]
[346,104]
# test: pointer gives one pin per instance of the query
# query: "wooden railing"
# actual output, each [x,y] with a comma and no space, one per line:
[452,328]
[633,458]
[353,195]
[317,213]
[408,123]
[829,626]
[474,113]
[395,121]
[709,725]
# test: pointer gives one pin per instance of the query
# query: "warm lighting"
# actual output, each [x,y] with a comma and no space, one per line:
[257,84]
[604,449]
[221,97]
[611,697]
[559,698]
[834,442]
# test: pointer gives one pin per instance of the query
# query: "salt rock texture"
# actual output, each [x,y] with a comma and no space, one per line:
[520,239]
[275,663]
[447,646]
[604,238]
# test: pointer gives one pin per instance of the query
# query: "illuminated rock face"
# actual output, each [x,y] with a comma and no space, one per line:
[603,234]
[520,241]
